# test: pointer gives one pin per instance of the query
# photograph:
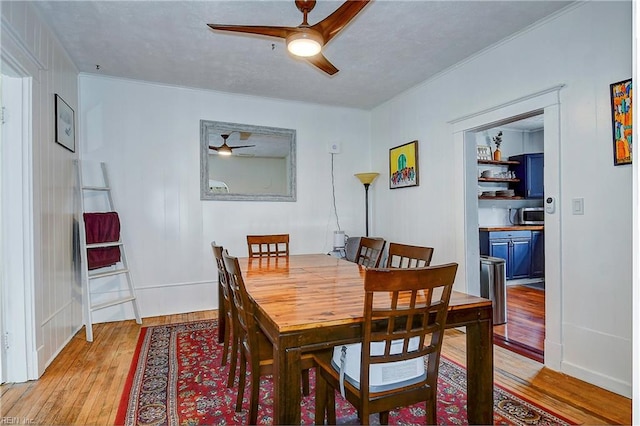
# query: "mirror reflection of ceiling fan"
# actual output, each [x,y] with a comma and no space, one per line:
[225,149]
[307,40]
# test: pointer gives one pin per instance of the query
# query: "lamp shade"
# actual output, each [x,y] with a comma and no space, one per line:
[367,178]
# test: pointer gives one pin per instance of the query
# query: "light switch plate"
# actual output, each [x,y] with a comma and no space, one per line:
[334,148]
[577,206]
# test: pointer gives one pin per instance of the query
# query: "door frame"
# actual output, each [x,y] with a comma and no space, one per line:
[19,352]
[546,101]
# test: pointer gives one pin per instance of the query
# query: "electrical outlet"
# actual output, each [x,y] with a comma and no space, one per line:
[334,148]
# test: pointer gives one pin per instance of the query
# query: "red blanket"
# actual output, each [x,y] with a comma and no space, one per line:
[102,228]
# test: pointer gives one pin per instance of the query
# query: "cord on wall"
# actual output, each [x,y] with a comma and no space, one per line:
[333,192]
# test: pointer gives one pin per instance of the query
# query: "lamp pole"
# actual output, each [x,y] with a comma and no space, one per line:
[366,209]
[366,179]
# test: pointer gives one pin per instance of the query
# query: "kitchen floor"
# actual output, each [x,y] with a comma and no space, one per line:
[523,332]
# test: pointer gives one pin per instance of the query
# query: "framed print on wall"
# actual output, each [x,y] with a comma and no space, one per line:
[621,121]
[403,165]
[65,125]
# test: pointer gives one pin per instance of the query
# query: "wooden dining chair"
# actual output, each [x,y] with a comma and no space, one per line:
[396,365]
[268,245]
[406,256]
[255,349]
[370,252]
[230,339]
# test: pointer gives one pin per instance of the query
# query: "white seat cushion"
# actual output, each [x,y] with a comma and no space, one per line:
[382,377]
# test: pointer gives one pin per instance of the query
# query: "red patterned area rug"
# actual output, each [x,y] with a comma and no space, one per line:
[176,379]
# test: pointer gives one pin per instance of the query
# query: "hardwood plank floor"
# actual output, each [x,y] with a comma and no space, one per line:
[84,383]
[524,330]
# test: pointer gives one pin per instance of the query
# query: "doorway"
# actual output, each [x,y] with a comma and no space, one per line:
[464,136]
[507,185]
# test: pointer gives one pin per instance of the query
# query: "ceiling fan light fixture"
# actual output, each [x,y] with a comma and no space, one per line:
[305,43]
[224,150]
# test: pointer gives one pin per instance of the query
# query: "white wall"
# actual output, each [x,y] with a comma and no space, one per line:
[34,52]
[149,136]
[587,48]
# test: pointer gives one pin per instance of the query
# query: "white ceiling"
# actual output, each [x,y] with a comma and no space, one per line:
[530,124]
[389,47]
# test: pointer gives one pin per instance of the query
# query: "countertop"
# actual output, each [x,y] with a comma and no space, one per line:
[513,228]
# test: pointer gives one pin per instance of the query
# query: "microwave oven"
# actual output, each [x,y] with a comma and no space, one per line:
[531,216]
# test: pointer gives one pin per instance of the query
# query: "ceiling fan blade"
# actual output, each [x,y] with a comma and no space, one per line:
[281,32]
[215,148]
[332,24]
[323,63]
[241,146]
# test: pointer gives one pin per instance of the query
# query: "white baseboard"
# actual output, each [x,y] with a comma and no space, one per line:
[605,382]
[552,355]
[168,299]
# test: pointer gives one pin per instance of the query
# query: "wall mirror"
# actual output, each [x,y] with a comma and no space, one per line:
[247,162]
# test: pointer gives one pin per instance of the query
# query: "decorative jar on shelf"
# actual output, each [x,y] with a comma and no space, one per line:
[497,155]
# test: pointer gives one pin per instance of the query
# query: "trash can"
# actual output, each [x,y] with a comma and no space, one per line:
[492,286]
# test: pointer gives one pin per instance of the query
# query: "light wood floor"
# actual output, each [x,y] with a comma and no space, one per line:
[84,383]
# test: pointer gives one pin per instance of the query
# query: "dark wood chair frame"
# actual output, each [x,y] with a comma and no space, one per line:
[230,327]
[370,252]
[255,349]
[268,245]
[428,290]
[408,256]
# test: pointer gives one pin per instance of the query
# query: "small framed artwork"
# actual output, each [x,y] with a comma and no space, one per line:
[65,125]
[403,165]
[621,121]
[484,152]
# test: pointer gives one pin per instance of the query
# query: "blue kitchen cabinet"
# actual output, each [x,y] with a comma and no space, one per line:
[537,254]
[513,246]
[520,258]
[530,171]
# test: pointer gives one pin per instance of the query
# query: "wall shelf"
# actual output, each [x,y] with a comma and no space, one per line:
[484,179]
[498,163]
[492,182]
[481,197]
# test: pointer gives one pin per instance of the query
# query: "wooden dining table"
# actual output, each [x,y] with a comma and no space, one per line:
[305,303]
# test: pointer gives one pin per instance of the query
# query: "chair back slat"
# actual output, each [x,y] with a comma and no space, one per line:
[370,252]
[408,256]
[223,279]
[268,245]
[247,327]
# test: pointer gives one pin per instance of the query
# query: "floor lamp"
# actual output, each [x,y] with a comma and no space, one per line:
[366,179]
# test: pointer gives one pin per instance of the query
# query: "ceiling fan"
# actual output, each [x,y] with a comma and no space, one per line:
[307,40]
[225,149]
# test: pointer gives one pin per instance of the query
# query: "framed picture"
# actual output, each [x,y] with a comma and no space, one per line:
[403,165]
[621,121]
[484,152]
[65,125]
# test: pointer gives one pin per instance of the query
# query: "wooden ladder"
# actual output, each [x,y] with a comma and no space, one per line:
[122,268]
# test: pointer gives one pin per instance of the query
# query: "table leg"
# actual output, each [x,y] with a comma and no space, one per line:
[222,314]
[480,372]
[286,386]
